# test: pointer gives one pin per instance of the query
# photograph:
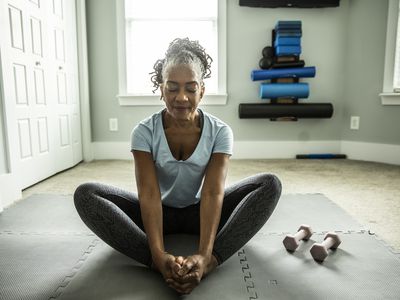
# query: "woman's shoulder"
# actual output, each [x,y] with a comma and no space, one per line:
[150,123]
[213,120]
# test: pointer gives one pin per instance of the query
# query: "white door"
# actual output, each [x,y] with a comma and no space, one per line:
[40,85]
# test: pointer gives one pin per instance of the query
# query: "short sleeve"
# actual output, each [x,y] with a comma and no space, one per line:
[141,139]
[224,141]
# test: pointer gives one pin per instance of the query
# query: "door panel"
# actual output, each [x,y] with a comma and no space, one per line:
[20,84]
[43,135]
[16,28]
[36,36]
[25,141]
[40,94]
[41,98]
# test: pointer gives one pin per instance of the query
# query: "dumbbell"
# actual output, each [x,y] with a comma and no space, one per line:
[265,63]
[268,51]
[320,251]
[291,242]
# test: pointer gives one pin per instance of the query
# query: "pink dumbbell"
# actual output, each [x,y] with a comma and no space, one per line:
[320,251]
[291,242]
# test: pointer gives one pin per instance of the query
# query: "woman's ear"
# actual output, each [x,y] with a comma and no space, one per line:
[162,91]
[202,91]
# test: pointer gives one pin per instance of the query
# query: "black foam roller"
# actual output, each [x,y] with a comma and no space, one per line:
[274,111]
[291,64]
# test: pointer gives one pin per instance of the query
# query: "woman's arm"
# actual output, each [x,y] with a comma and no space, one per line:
[151,209]
[212,194]
[150,201]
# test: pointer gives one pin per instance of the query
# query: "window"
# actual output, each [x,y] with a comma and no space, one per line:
[396,73]
[391,81]
[144,34]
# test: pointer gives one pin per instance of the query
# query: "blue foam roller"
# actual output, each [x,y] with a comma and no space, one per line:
[288,33]
[287,41]
[276,90]
[288,24]
[282,73]
[287,50]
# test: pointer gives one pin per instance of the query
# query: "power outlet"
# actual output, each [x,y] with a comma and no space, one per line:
[113,124]
[354,122]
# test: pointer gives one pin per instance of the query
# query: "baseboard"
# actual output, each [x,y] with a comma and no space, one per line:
[374,152]
[9,190]
[383,153]
[281,149]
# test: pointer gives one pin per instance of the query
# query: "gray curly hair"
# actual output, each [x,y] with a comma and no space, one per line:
[182,51]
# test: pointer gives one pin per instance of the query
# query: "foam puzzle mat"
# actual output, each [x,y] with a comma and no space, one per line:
[46,252]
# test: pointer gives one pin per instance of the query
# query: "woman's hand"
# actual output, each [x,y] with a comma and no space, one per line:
[168,265]
[193,269]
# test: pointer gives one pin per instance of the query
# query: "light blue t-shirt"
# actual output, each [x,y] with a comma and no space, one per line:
[180,181]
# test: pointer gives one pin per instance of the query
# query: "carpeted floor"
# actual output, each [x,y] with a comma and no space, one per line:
[369,192]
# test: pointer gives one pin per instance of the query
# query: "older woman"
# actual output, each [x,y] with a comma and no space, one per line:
[181,156]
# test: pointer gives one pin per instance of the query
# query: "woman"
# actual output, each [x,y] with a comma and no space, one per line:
[181,159]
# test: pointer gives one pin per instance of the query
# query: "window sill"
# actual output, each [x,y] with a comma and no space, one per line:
[154,100]
[390,98]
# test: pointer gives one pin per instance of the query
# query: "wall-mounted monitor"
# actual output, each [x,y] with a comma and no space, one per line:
[290,3]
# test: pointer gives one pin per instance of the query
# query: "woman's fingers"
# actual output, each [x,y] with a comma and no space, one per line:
[182,288]
[192,277]
[179,260]
[188,265]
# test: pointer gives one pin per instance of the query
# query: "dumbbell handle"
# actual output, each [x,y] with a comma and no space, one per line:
[328,243]
[299,235]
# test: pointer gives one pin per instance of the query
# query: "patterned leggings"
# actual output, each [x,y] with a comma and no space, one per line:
[114,215]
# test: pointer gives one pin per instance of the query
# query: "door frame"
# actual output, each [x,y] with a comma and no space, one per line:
[83,70]
[10,191]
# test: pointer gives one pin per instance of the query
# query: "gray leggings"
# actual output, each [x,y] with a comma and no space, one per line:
[114,215]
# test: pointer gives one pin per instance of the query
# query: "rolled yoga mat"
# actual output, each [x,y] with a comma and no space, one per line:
[276,90]
[273,111]
[287,72]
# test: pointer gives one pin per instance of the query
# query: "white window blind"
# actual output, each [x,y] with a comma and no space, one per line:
[152,24]
[396,75]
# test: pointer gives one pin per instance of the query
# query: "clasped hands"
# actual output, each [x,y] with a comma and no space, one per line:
[183,274]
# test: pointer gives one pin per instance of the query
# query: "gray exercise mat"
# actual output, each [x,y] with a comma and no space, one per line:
[107,274]
[315,210]
[50,254]
[34,266]
[361,268]
[43,214]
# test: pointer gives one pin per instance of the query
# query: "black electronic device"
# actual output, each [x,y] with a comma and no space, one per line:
[290,3]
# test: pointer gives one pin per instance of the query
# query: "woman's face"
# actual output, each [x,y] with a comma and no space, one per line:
[182,92]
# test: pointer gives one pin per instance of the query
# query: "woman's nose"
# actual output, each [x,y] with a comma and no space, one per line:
[182,95]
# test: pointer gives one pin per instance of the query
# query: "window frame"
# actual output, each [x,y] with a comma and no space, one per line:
[126,99]
[388,95]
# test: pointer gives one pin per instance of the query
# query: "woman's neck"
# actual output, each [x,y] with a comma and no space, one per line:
[192,121]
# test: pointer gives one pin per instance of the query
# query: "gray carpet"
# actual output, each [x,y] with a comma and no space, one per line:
[46,252]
